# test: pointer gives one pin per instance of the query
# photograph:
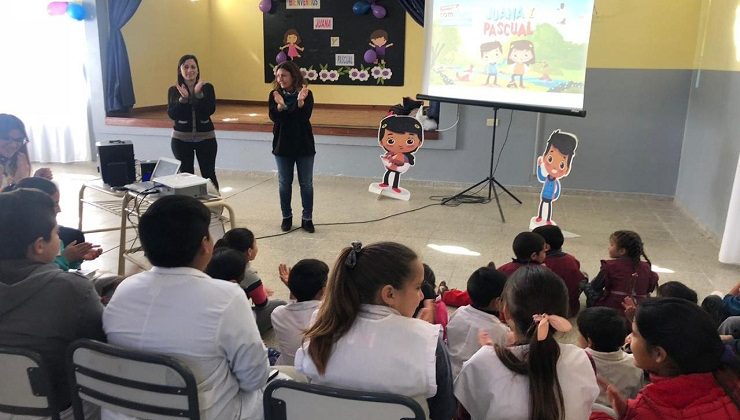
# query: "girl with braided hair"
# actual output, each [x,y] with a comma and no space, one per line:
[625,279]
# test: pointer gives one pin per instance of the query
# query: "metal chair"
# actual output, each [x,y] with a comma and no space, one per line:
[134,383]
[26,388]
[289,400]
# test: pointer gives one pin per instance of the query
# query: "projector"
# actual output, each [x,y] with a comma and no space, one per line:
[182,184]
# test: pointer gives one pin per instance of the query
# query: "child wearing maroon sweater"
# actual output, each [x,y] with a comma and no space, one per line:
[563,264]
[529,248]
[624,276]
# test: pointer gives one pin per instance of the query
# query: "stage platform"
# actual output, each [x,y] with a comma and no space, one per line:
[329,120]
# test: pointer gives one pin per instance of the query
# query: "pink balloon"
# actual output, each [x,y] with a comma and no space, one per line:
[281,57]
[265,6]
[370,56]
[56,8]
[378,11]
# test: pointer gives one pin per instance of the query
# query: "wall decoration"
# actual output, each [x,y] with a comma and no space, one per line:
[371,51]
[303,4]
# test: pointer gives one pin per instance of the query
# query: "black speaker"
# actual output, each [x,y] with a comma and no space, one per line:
[116,160]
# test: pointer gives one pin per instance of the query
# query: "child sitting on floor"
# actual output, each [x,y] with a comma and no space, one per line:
[624,276]
[229,264]
[529,248]
[243,240]
[306,281]
[692,376]
[563,264]
[456,297]
[537,378]
[484,288]
[602,333]
[431,309]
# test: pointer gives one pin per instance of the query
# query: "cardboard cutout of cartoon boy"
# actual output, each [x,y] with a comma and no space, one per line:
[400,136]
[554,164]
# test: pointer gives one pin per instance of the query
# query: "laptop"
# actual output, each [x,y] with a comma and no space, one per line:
[164,167]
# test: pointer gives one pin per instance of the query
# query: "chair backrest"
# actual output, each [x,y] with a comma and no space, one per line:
[26,388]
[289,400]
[131,382]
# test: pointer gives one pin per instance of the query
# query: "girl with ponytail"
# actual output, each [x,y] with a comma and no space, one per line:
[624,280]
[364,337]
[537,378]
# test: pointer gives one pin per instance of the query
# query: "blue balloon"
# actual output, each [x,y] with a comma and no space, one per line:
[76,11]
[360,8]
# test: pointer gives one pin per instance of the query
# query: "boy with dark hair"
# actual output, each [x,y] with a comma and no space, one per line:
[484,288]
[42,308]
[227,264]
[177,310]
[306,281]
[563,264]
[602,333]
[677,289]
[529,248]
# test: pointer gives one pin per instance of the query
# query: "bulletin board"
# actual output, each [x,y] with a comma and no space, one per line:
[330,43]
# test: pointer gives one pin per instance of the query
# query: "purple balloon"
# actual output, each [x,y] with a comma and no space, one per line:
[56,8]
[266,6]
[281,57]
[370,56]
[378,11]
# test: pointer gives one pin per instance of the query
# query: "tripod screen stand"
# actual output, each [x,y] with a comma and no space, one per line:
[490,179]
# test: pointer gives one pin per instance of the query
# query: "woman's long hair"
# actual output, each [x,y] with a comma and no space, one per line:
[355,280]
[532,290]
[295,72]
[10,122]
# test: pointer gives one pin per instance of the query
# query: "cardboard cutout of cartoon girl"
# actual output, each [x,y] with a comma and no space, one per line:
[554,164]
[291,40]
[400,136]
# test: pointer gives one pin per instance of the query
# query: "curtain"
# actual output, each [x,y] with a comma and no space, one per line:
[119,89]
[729,251]
[415,8]
[43,79]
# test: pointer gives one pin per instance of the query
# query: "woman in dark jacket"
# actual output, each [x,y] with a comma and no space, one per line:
[291,104]
[190,103]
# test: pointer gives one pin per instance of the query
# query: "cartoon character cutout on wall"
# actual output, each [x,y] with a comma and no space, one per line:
[554,164]
[379,43]
[521,56]
[291,39]
[491,53]
[400,136]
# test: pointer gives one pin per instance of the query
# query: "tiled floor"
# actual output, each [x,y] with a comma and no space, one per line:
[672,240]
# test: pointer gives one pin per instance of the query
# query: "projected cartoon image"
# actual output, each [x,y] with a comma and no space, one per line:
[521,56]
[400,136]
[379,43]
[491,53]
[291,40]
[554,164]
[537,49]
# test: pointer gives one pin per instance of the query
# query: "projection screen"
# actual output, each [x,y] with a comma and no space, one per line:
[523,53]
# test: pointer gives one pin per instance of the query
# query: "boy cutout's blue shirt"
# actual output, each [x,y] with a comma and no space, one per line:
[551,189]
